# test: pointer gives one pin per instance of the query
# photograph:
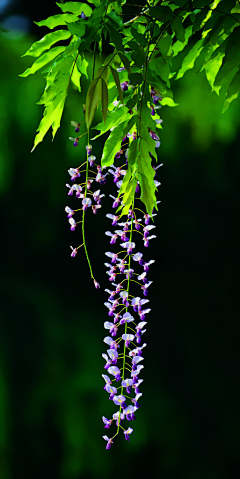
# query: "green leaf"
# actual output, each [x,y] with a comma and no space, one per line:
[150,142]
[51,117]
[59,84]
[136,78]
[117,81]
[179,46]
[146,178]
[112,120]
[62,62]
[160,67]
[178,29]
[116,37]
[133,152]
[76,8]
[113,143]
[189,59]
[56,20]
[43,60]
[77,28]
[168,102]
[116,18]
[232,92]
[132,101]
[104,100]
[125,62]
[104,72]
[139,37]
[165,45]
[230,62]
[46,42]
[92,100]
[164,14]
[75,78]
[138,49]
[128,197]
[211,68]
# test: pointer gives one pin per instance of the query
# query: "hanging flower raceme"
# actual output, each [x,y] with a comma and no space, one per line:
[127,272]
[82,184]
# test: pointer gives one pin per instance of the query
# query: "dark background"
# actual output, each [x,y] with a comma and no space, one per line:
[51,330]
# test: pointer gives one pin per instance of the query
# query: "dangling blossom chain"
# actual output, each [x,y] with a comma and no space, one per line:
[127,310]
[83,191]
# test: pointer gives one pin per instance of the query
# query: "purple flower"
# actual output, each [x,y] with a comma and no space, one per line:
[119,401]
[89,149]
[153,135]
[91,160]
[142,313]
[107,422]
[74,252]
[75,140]
[72,223]
[111,390]
[127,383]
[127,338]
[76,125]
[128,246]
[110,441]
[113,256]
[86,202]
[127,318]
[115,371]
[124,86]
[113,237]
[74,173]
[127,432]
[129,412]
[83,15]
[146,265]
[152,111]
[114,218]
[113,345]
[116,201]
[69,211]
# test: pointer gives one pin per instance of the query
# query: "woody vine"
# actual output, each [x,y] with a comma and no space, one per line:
[143,64]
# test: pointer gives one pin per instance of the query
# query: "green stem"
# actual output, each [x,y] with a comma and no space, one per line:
[126,326]
[83,221]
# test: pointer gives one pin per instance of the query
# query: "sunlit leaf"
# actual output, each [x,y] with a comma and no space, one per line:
[77,28]
[43,60]
[113,143]
[75,78]
[146,176]
[189,59]
[51,117]
[168,102]
[59,84]
[46,42]
[113,119]
[56,20]
[75,7]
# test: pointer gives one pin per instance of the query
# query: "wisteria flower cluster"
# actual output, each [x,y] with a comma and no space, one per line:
[89,172]
[128,273]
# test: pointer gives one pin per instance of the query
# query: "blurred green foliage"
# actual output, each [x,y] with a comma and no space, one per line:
[51,394]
